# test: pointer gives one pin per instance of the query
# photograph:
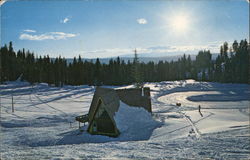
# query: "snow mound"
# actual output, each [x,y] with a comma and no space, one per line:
[135,123]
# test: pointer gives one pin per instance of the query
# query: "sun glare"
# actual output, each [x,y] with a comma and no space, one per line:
[179,23]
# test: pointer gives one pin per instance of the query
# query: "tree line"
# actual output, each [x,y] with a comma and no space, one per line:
[230,66]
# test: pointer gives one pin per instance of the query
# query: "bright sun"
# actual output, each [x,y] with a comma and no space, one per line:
[179,23]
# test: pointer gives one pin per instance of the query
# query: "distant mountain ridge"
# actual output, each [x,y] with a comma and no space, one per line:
[141,59]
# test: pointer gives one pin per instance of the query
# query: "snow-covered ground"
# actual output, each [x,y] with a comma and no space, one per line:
[43,126]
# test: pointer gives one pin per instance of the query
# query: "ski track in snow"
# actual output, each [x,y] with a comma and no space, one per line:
[197,132]
[42,117]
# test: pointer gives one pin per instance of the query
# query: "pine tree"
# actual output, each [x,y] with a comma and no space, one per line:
[137,75]
[97,73]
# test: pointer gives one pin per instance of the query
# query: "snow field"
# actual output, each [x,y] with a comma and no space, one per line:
[43,126]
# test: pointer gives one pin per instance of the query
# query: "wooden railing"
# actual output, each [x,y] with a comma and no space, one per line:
[83,118]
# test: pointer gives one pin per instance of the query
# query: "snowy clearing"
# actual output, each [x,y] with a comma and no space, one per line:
[43,126]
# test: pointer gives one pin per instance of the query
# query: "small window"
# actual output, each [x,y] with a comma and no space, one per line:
[94,127]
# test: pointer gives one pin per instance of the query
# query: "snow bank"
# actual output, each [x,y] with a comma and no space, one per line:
[15,83]
[135,123]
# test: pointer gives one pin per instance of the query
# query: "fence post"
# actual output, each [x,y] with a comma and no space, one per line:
[0,107]
[12,103]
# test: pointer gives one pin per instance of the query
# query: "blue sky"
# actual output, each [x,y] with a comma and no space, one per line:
[114,28]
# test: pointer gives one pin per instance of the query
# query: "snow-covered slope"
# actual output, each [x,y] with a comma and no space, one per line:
[43,126]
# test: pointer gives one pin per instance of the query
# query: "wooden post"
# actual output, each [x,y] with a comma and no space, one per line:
[12,103]
[0,107]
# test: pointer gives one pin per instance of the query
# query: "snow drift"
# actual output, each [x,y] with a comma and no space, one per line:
[134,123]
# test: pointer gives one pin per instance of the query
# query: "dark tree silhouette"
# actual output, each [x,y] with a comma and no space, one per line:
[230,66]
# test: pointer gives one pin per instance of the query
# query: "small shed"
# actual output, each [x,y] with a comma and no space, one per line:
[102,110]
[105,104]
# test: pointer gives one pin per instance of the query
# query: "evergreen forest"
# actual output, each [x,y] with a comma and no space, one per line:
[230,66]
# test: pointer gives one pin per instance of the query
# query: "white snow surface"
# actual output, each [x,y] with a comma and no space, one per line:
[134,123]
[43,124]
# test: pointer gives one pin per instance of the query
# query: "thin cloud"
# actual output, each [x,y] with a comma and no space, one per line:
[65,20]
[46,36]
[29,30]
[142,21]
